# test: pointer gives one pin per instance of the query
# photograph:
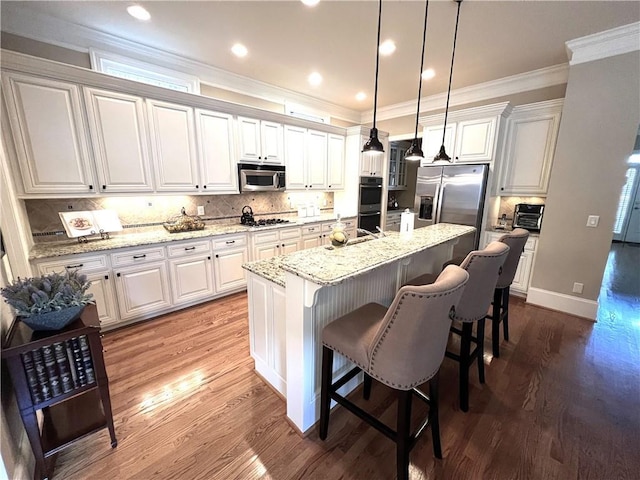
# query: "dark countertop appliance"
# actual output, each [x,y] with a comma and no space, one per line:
[528,216]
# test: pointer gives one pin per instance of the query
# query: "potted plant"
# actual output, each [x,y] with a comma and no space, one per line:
[49,302]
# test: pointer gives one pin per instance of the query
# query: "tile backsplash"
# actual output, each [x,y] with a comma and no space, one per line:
[155,209]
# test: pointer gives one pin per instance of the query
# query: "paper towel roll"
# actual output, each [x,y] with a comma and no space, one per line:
[406,221]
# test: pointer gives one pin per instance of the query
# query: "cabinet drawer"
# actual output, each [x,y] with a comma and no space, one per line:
[188,248]
[83,264]
[137,256]
[311,230]
[266,237]
[289,233]
[229,242]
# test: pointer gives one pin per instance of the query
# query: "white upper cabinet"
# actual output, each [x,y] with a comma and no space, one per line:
[119,140]
[317,159]
[532,131]
[216,152]
[50,135]
[471,136]
[173,143]
[335,162]
[260,141]
[306,158]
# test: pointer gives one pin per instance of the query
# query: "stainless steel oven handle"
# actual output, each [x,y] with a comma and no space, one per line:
[370,214]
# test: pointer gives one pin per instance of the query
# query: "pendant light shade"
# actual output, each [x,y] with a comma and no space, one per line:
[374,146]
[415,152]
[442,156]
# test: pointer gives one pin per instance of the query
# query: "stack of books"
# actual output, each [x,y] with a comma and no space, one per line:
[58,368]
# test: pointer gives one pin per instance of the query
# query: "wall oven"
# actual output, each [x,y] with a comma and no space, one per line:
[261,178]
[370,203]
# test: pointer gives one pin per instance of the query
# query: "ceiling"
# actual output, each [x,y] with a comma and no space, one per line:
[287,40]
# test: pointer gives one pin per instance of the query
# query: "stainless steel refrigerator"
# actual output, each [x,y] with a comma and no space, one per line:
[452,194]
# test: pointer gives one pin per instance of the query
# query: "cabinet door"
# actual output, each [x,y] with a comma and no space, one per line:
[474,140]
[51,140]
[229,274]
[249,139]
[317,159]
[263,252]
[142,290]
[120,141]
[289,246]
[523,273]
[311,242]
[216,152]
[173,146]
[530,145]
[335,162]
[271,143]
[191,279]
[432,141]
[103,294]
[371,165]
[295,147]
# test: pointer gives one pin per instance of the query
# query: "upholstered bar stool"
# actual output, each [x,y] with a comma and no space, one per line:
[484,267]
[402,347]
[500,311]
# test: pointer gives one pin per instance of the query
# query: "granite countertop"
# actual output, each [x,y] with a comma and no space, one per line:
[330,266]
[155,235]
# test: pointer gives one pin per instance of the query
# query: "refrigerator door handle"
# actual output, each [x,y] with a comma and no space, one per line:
[438,203]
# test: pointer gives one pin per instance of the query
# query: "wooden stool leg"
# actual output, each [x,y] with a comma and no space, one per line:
[403,441]
[505,312]
[480,349]
[366,391]
[465,350]
[325,390]
[434,418]
[495,321]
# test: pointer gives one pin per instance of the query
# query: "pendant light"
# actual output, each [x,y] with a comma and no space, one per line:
[442,156]
[415,152]
[373,146]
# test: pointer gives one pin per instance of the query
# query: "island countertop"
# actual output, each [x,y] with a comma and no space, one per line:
[331,266]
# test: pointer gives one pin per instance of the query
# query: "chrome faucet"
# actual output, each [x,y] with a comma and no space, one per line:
[373,235]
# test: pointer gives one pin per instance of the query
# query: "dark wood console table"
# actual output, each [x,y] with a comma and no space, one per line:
[61,374]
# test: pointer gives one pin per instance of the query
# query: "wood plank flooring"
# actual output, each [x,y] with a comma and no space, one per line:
[562,402]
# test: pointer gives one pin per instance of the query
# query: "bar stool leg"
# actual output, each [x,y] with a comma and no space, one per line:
[505,312]
[495,321]
[403,440]
[480,349]
[325,398]
[366,390]
[465,350]
[434,418]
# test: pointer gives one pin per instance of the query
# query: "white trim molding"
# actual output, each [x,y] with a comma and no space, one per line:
[609,43]
[580,307]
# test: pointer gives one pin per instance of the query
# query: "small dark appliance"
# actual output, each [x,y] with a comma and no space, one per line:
[528,216]
[247,215]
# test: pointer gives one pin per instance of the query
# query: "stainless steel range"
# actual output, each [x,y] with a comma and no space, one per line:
[266,222]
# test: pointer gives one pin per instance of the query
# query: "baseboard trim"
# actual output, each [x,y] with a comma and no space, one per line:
[563,303]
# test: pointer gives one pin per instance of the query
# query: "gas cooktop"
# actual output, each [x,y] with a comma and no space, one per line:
[266,222]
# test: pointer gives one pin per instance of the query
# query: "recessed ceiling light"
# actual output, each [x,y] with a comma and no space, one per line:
[310,3]
[360,96]
[136,11]
[315,79]
[239,50]
[387,47]
[428,74]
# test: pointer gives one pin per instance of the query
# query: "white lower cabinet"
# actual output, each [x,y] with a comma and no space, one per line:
[190,268]
[523,273]
[229,253]
[274,242]
[267,330]
[143,290]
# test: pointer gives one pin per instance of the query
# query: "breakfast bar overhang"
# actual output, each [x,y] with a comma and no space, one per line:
[292,297]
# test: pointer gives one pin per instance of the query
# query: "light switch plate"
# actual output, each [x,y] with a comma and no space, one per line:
[200,210]
[593,220]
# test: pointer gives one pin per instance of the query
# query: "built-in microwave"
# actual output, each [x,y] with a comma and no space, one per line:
[261,178]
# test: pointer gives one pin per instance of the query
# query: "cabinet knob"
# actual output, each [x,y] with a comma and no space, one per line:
[204,186]
[283,245]
[106,277]
[501,188]
[117,274]
[104,187]
[196,186]
[90,187]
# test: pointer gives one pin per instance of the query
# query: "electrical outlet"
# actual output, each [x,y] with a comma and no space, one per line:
[200,209]
[577,287]
[592,221]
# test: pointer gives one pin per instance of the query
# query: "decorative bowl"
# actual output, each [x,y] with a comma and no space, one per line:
[56,320]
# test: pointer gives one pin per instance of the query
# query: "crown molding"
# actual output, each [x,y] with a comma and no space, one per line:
[47,29]
[609,43]
[497,109]
[524,82]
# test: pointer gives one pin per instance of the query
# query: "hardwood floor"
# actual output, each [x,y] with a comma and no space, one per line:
[562,402]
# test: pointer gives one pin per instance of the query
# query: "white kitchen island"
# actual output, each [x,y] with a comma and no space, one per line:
[292,297]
